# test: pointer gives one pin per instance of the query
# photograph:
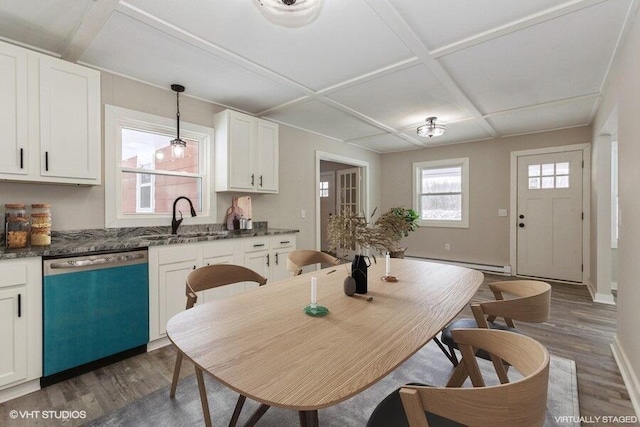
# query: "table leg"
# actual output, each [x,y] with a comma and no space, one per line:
[256,415]
[308,418]
[237,410]
[203,398]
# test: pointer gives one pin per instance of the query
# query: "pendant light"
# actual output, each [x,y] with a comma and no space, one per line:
[431,129]
[178,145]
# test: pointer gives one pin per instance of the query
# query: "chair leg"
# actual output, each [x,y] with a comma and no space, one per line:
[237,410]
[459,376]
[176,374]
[451,354]
[203,398]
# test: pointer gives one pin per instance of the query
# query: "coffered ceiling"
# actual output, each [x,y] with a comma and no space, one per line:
[366,72]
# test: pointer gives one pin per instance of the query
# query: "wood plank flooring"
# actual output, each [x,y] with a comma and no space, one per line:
[578,329]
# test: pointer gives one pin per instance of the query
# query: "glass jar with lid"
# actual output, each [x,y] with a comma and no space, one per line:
[17,235]
[40,224]
[13,210]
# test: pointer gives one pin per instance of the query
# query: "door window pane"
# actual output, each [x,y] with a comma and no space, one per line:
[562,168]
[534,170]
[548,169]
[547,182]
[534,183]
[562,181]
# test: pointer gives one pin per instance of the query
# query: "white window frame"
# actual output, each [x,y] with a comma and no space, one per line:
[437,164]
[117,118]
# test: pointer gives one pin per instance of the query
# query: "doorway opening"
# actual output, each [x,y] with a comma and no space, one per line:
[340,184]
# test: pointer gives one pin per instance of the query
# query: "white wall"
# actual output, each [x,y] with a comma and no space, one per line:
[486,241]
[623,93]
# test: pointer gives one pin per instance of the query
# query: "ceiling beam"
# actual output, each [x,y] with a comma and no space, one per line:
[403,31]
[512,27]
[89,29]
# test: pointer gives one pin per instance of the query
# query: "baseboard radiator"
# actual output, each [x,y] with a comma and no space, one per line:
[495,269]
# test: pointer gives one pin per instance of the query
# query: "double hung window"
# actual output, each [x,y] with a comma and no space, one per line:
[145,173]
[441,192]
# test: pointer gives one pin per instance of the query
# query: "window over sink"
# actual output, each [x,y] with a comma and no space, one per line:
[144,174]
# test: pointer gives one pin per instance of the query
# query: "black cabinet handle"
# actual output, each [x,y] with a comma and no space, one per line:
[46,160]
[285,242]
[22,158]
[267,260]
[260,180]
[258,245]
[19,305]
[276,258]
[252,179]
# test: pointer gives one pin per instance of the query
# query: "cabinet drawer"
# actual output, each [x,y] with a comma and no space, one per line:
[12,274]
[256,244]
[283,241]
[178,253]
[218,249]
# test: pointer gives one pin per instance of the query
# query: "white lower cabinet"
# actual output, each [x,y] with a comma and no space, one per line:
[170,265]
[20,323]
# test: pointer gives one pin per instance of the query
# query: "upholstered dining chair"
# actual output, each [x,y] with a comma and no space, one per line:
[521,403]
[201,279]
[528,301]
[303,257]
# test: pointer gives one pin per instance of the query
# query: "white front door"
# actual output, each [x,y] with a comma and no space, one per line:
[550,217]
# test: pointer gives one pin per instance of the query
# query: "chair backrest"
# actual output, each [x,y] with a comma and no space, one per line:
[530,303]
[521,403]
[302,257]
[212,276]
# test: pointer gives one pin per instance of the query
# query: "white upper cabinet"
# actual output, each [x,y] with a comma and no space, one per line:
[13,110]
[50,121]
[246,153]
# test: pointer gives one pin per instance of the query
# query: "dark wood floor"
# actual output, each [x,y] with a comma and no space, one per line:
[578,329]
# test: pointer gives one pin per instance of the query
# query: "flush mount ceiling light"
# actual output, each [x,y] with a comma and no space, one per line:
[290,13]
[431,128]
[178,144]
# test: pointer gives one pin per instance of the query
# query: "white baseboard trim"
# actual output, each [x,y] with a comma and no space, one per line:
[496,269]
[156,344]
[629,376]
[599,297]
[19,390]
[614,286]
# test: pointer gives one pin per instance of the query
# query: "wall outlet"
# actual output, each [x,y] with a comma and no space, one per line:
[447,246]
[502,212]
[303,214]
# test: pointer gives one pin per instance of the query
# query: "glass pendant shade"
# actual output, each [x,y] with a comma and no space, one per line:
[431,129]
[177,144]
[290,13]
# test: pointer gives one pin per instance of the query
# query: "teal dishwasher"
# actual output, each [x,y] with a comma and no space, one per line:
[95,312]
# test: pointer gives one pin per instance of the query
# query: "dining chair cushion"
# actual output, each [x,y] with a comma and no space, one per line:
[390,413]
[469,323]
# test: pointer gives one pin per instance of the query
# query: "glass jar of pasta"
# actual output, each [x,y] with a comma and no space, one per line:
[17,235]
[40,224]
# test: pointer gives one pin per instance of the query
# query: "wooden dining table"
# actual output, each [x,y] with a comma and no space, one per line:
[261,344]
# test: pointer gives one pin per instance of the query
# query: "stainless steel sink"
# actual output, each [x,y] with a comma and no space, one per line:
[183,235]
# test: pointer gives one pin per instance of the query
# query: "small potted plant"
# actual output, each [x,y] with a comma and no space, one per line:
[397,223]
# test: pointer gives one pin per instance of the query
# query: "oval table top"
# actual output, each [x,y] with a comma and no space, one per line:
[261,344]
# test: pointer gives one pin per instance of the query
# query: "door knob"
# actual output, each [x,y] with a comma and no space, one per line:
[521,225]
[521,216]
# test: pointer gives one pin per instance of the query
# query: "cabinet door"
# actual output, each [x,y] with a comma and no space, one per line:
[222,291]
[279,265]
[13,335]
[259,262]
[242,174]
[267,156]
[69,121]
[172,279]
[13,110]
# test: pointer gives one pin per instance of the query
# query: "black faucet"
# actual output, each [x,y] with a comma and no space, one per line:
[175,223]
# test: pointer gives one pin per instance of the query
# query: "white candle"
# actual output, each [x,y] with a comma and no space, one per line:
[314,290]
[387,265]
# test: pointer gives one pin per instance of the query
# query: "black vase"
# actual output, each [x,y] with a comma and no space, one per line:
[359,268]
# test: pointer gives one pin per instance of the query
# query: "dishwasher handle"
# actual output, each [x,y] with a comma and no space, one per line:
[115,259]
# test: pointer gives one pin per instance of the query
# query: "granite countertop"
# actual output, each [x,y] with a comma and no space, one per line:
[86,242]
